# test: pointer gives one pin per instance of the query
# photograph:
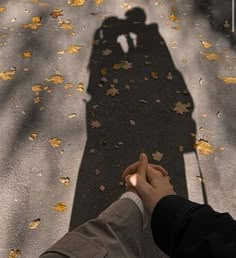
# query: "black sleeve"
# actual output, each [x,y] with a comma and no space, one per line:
[184,229]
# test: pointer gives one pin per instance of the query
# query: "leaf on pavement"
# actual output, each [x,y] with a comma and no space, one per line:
[206,44]
[106,52]
[112,91]
[65,25]
[60,207]
[56,79]
[211,56]
[65,181]
[14,253]
[34,224]
[173,17]
[203,147]
[2,9]
[80,87]
[76,2]
[35,23]
[227,80]
[98,2]
[154,75]
[56,13]
[33,136]
[102,188]
[73,49]
[37,99]
[72,115]
[123,65]
[27,54]
[181,108]
[37,88]
[55,142]
[7,75]
[95,124]
[157,156]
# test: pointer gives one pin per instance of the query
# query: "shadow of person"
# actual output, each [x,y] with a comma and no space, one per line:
[132,57]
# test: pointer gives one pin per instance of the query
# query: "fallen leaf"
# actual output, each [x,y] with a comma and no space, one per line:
[203,147]
[34,224]
[14,253]
[56,13]
[98,2]
[200,179]
[60,207]
[56,79]
[206,44]
[154,75]
[132,122]
[102,188]
[68,86]
[76,2]
[106,52]
[37,88]
[2,9]
[35,23]
[73,49]
[72,115]
[123,65]
[169,76]
[55,142]
[228,80]
[80,87]
[112,91]
[95,124]
[181,148]
[65,181]
[37,99]
[7,75]
[181,108]
[173,17]
[33,136]
[211,56]
[104,71]
[65,25]
[157,156]
[226,24]
[27,54]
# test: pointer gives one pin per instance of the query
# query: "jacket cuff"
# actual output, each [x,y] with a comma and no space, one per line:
[167,217]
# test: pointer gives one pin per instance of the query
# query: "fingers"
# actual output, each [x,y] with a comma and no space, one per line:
[143,165]
[159,168]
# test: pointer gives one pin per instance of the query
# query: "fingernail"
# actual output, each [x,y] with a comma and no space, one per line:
[142,156]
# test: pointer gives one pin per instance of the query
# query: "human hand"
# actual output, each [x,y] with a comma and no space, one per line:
[150,181]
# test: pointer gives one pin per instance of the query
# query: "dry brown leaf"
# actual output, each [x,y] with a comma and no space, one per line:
[72,115]
[181,148]
[68,86]
[95,124]
[227,80]
[80,87]
[157,156]
[173,17]
[37,88]
[7,75]
[56,13]
[65,181]
[60,207]
[35,23]
[55,142]
[33,136]
[37,99]
[206,44]
[123,65]
[73,49]
[14,253]
[112,92]
[106,52]
[154,75]
[76,2]
[2,9]
[98,2]
[203,147]
[102,188]
[34,224]
[27,54]
[104,71]
[211,56]
[181,108]
[65,25]
[56,79]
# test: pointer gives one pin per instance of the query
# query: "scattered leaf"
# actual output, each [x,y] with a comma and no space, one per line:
[76,2]
[56,13]
[37,88]
[2,9]
[200,179]
[132,122]
[102,188]
[60,207]
[35,23]
[123,65]
[55,142]
[206,44]
[104,71]
[37,99]
[95,124]
[228,80]
[65,25]
[211,56]
[56,79]
[157,156]
[14,253]
[169,76]
[80,87]
[173,17]
[33,136]
[154,75]
[98,2]
[226,24]
[72,115]
[68,86]
[65,181]
[112,91]
[181,108]
[34,224]
[181,148]
[203,147]
[106,52]
[73,49]
[27,54]
[7,75]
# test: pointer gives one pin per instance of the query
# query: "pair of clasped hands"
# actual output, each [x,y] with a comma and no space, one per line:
[151,182]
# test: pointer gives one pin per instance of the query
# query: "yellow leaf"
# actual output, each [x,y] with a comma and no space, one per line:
[203,147]
[98,2]
[80,87]
[112,91]
[7,75]
[65,181]
[154,75]
[56,79]
[35,23]
[2,9]
[73,49]
[34,224]
[173,18]
[14,253]
[55,142]
[68,86]
[27,54]
[56,13]
[76,2]
[33,136]
[181,108]
[37,88]
[157,156]
[95,124]
[72,115]
[60,207]
[228,80]
[206,44]
[37,99]
[65,25]
[123,65]
[211,56]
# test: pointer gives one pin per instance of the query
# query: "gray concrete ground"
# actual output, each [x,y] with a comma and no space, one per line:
[31,169]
